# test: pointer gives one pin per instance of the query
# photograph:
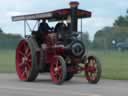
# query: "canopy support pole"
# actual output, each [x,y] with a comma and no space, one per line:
[24,28]
[29,26]
[36,24]
[81,30]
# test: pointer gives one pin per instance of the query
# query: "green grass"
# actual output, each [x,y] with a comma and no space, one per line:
[7,61]
[114,64]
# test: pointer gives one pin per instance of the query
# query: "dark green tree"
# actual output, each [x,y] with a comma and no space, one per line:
[122,21]
[118,32]
[1,31]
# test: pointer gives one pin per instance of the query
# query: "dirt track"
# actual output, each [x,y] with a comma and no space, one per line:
[11,86]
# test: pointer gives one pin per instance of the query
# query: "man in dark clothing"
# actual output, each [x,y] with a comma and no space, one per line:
[42,30]
[44,27]
[60,29]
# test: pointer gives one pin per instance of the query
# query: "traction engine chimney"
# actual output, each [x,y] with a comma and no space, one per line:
[74,21]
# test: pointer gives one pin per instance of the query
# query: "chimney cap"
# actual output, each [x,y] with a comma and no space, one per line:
[74,4]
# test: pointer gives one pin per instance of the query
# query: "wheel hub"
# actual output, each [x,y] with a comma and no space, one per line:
[24,59]
[56,69]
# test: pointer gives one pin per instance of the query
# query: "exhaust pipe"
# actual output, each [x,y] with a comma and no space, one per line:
[74,20]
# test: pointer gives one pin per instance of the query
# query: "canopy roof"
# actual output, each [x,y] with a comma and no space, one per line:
[61,14]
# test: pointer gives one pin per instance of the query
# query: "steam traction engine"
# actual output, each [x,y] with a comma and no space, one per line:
[61,52]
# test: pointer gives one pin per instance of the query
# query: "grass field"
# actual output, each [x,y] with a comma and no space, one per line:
[7,61]
[114,64]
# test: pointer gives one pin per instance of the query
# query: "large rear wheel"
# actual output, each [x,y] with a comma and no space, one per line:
[93,70]
[26,65]
[58,71]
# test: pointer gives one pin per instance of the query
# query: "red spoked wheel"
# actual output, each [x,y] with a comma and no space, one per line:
[93,70]
[26,66]
[58,71]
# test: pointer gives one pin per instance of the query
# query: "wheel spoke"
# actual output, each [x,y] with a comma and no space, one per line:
[21,53]
[60,76]
[91,63]
[28,66]
[95,65]
[59,67]
[21,64]
[29,60]
[57,64]
[24,45]
[26,51]
[94,76]
[25,72]
[29,54]
[57,72]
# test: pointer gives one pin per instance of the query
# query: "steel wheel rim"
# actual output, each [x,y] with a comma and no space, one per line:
[57,72]
[23,60]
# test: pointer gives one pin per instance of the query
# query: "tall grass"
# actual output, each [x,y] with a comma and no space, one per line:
[7,61]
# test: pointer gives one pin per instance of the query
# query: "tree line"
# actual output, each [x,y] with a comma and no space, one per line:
[117,33]
[8,41]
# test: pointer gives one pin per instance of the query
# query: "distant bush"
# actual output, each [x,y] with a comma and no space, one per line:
[9,41]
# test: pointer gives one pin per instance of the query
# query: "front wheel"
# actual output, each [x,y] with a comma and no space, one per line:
[58,70]
[93,70]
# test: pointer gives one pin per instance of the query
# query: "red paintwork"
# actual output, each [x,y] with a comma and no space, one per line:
[52,49]
[67,12]
[51,52]
[56,75]
[90,70]
[23,60]
[76,60]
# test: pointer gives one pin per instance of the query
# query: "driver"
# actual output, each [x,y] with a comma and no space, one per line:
[60,28]
[44,27]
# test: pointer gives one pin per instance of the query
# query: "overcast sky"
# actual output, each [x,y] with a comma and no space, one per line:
[104,12]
